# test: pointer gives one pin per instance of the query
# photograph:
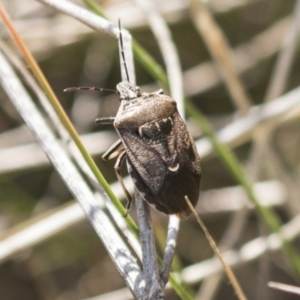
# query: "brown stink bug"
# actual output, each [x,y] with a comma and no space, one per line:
[162,158]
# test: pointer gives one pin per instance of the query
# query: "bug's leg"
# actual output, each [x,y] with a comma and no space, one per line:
[117,167]
[113,151]
[105,120]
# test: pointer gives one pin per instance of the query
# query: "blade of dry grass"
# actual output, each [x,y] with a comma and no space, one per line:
[241,130]
[220,51]
[250,251]
[236,286]
[110,237]
[284,287]
[74,181]
[260,148]
[61,113]
[245,57]
[284,62]
[170,56]
[46,225]
[169,52]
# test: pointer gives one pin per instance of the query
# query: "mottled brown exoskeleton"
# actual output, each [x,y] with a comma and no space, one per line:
[161,155]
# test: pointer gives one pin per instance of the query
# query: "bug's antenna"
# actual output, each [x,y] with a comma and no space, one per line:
[87,88]
[122,50]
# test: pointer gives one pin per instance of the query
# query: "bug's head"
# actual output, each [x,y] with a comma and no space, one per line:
[127,91]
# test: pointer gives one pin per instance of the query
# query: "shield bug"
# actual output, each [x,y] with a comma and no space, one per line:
[161,155]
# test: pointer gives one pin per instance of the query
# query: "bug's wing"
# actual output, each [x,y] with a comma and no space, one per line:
[146,167]
[186,181]
[164,165]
